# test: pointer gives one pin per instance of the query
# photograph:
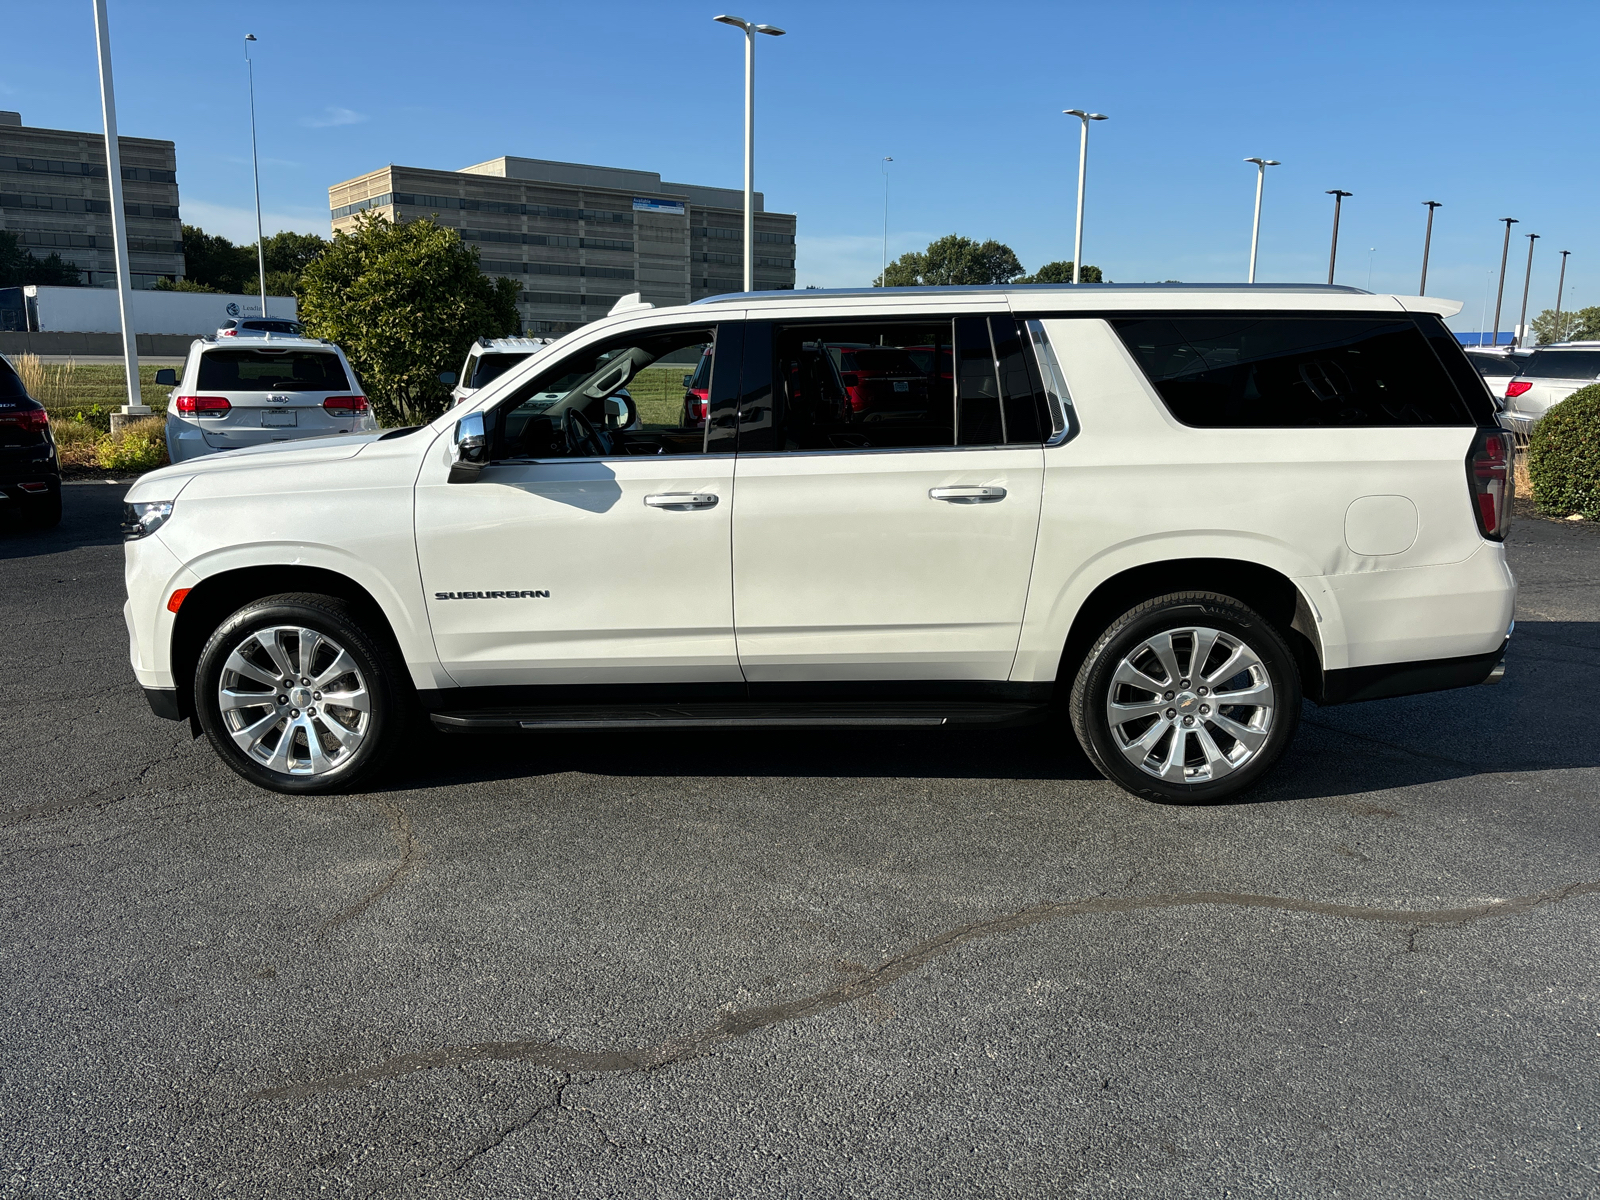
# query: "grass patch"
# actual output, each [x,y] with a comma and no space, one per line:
[658,393]
[88,393]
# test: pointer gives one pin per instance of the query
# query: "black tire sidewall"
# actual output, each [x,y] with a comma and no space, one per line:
[1177,612]
[376,663]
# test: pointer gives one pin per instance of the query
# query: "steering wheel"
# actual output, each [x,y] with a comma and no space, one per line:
[582,439]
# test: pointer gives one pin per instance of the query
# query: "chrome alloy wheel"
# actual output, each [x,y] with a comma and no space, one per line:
[1190,705]
[294,700]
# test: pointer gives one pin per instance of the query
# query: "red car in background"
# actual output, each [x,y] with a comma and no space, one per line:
[697,393]
[880,379]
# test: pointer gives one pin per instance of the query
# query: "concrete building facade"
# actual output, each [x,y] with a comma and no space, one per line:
[55,197]
[577,237]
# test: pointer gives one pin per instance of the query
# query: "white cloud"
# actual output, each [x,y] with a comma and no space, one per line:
[331,116]
[849,260]
[239,224]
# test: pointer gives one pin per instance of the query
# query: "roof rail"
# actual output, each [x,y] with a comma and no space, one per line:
[1031,288]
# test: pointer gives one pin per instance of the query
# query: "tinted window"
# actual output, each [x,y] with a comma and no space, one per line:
[1563,364]
[267,326]
[10,385]
[570,409]
[1251,371]
[1495,365]
[271,371]
[905,385]
[492,366]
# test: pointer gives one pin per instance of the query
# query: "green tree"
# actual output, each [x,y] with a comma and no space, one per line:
[1061,272]
[405,302]
[19,266]
[1580,326]
[181,284]
[292,252]
[953,259]
[214,261]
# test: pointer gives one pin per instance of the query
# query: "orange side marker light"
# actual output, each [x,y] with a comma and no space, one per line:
[177,599]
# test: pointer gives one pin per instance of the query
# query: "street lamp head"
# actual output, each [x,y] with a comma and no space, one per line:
[249,37]
[1084,116]
[1265,162]
[1510,221]
[1098,117]
[1433,204]
[1339,192]
[772,29]
[737,22]
[1531,236]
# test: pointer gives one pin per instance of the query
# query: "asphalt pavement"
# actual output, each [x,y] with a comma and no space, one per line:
[738,964]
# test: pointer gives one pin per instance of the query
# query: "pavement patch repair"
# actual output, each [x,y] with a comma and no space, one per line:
[797,963]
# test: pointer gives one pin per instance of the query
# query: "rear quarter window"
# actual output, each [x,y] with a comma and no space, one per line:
[1255,371]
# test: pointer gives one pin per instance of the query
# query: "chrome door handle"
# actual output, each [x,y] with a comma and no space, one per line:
[682,501]
[967,495]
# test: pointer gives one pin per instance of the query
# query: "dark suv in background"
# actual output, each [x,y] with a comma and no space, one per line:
[30,472]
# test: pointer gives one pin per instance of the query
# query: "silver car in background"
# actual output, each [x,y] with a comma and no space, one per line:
[237,394]
[1547,378]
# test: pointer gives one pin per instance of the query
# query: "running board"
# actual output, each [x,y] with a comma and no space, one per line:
[687,716]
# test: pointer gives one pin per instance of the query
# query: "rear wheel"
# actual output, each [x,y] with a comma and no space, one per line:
[1188,697]
[296,697]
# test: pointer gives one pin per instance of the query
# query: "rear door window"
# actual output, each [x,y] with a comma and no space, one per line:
[1253,371]
[272,371]
[1564,364]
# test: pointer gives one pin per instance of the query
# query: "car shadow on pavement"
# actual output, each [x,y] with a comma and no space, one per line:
[91,515]
[1339,751]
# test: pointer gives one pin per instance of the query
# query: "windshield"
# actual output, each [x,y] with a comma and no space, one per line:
[492,366]
[1497,364]
[1563,364]
[271,371]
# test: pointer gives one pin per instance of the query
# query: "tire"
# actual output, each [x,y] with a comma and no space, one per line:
[45,512]
[1227,747]
[312,746]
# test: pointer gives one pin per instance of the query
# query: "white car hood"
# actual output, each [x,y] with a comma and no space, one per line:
[166,482]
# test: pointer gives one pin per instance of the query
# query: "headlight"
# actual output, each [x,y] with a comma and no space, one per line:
[144,518]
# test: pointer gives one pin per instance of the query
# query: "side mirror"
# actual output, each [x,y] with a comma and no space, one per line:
[448,378]
[166,377]
[687,379]
[470,451]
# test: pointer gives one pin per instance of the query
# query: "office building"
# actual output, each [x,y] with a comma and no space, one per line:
[55,197]
[576,238]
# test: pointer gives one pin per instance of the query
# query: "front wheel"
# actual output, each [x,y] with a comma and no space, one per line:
[296,697]
[1188,697]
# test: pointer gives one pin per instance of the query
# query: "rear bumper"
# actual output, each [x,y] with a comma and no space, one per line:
[1386,680]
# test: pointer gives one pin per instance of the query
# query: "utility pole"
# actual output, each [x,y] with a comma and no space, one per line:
[1427,244]
[1499,296]
[1333,252]
[884,278]
[750,30]
[1560,287]
[1083,166]
[135,407]
[1255,228]
[255,164]
[1527,278]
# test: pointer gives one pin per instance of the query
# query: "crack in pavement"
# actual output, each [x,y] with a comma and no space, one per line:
[738,1024]
[411,851]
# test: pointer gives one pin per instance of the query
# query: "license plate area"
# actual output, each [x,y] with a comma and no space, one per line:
[272,418]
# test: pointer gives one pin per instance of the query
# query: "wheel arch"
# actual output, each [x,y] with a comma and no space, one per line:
[1270,592]
[216,597]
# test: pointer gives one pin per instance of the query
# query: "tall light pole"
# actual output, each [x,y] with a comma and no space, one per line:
[135,407]
[1333,252]
[1527,278]
[1371,250]
[1499,296]
[884,279]
[255,164]
[1255,229]
[750,32]
[1427,244]
[1560,287]
[1083,164]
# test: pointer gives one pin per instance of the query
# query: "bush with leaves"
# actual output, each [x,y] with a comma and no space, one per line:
[141,446]
[1564,456]
[953,259]
[1061,272]
[404,302]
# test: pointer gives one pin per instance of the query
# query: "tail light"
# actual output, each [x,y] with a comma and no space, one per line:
[1516,387]
[203,406]
[29,420]
[345,404]
[1489,475]
[229,333]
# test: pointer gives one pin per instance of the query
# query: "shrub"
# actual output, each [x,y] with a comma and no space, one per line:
[1564,456]
[141,446]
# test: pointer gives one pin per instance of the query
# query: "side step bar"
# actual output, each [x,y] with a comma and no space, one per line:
[690,716]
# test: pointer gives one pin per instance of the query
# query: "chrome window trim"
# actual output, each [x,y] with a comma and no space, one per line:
[532,462]
[885,450]
[1063,413]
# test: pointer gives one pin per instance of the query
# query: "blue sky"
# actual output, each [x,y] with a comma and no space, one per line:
[1488,108]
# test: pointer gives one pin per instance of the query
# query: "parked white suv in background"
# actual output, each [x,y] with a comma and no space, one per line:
[1154,516]
[1549,377]
[243,393]
[489,359]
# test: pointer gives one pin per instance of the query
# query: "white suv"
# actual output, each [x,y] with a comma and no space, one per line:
[1155,516]
[489,359]
[240,394]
